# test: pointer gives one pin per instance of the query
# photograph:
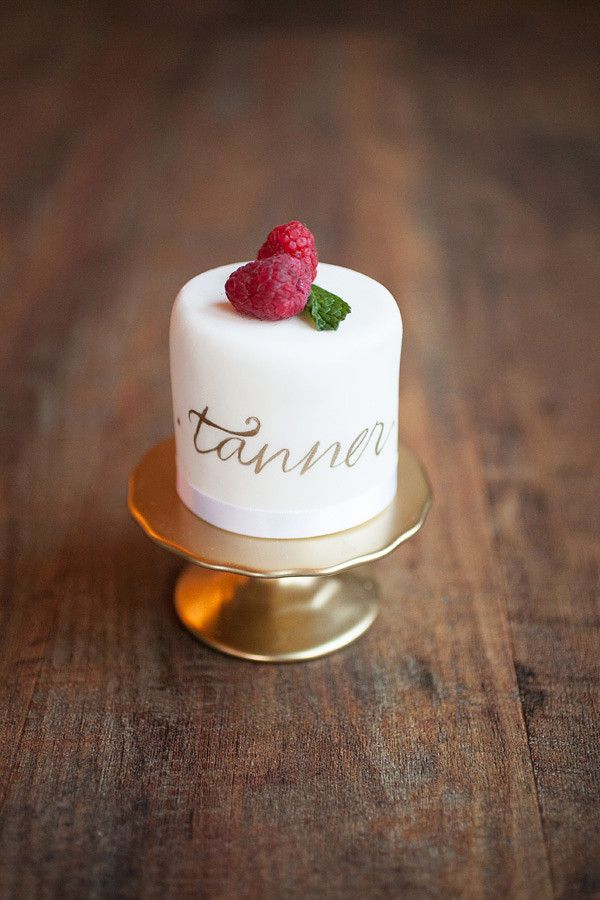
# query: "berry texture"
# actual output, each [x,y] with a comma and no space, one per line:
[275,287]
[294,239]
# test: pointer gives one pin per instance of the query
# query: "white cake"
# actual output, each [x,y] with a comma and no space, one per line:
[283,431]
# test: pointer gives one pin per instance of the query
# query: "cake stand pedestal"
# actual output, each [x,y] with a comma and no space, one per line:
[273,600]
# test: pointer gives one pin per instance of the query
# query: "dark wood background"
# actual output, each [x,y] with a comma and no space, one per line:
[452,152]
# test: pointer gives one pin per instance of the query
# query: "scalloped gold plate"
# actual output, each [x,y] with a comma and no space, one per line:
[155,505]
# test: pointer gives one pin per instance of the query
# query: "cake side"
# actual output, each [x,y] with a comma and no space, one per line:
[283,431]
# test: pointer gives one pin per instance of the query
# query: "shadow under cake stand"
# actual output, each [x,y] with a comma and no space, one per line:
[273,600]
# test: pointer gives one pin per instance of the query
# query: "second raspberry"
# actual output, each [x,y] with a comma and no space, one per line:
[295,240]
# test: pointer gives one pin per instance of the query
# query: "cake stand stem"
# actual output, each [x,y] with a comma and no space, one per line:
[275,619]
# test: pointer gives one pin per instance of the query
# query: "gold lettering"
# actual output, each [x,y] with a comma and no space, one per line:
[235,443]
[259,462]
[381,441]
[222,444]
[203,419]
[355,447]
[311,459]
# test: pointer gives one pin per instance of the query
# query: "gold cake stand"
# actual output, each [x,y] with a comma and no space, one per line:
[273,600]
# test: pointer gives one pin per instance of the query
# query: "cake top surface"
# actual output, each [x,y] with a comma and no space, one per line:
[204,305]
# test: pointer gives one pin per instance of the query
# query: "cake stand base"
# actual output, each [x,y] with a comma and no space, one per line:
[275,619]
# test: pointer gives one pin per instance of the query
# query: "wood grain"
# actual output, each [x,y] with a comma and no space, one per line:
[452,154]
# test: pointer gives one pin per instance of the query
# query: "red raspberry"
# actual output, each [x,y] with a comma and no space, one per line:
[296,240]
[272,288]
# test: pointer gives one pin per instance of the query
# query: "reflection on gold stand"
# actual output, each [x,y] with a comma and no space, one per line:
[273,600]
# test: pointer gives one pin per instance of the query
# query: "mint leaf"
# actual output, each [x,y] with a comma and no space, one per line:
[326,309]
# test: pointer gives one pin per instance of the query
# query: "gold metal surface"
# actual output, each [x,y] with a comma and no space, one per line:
[269,600]
[154,503]
[275,619]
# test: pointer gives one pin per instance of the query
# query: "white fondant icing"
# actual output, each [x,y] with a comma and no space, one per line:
[297,425]
[270,523]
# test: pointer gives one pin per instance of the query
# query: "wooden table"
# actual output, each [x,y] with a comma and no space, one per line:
[452,153]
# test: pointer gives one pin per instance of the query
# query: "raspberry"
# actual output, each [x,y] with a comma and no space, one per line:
[273,288]
[296,240]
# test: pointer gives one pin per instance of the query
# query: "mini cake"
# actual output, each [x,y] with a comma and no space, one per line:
[283,430]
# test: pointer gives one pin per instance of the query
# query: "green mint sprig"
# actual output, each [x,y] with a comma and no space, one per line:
[326,309]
